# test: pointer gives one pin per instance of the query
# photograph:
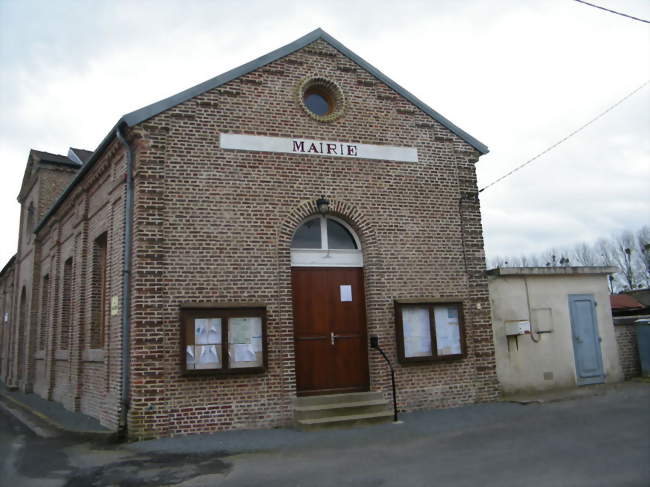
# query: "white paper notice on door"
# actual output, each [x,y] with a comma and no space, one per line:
[346,292]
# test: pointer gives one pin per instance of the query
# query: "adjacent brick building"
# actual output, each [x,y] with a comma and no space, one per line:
[283,212]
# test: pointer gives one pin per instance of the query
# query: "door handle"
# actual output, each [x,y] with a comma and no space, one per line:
[334,337]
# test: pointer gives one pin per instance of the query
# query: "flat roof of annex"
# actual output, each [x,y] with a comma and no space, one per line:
[550,271]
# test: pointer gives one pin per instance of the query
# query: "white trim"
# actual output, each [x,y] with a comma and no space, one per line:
[323,233]
[326,258]
[311,147]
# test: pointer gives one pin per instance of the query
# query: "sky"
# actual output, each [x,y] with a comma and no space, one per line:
[518,75]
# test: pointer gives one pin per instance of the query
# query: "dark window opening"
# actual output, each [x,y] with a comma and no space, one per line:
[308,236]
[29,223]
[338,237]
[45,308]
[66,306]
[318,102]
[99,285]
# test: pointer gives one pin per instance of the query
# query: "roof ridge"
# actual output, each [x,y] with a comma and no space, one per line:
[149,111]
[48,153]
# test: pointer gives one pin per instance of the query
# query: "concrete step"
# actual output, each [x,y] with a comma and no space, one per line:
[348,421]
[340,409]
[337,398]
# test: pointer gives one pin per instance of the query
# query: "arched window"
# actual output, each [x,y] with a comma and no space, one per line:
[325,241]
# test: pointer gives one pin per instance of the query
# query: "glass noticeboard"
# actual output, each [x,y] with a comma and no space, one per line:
[429,331]
[245,342]
[221,341]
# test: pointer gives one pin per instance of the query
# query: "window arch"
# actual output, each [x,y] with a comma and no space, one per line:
[325,241]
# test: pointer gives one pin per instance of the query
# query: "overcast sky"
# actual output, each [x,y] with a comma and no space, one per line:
[518,75]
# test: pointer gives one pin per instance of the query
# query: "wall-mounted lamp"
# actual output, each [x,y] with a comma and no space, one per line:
[323,205]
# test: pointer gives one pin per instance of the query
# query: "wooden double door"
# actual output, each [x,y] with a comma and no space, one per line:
[329,330]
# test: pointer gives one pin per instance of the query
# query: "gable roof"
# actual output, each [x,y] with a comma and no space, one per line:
[149,111]
[38,159]
[154,109]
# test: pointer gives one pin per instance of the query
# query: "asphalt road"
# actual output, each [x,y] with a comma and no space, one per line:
[596,441]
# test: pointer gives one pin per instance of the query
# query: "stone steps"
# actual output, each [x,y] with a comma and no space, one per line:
[341,410]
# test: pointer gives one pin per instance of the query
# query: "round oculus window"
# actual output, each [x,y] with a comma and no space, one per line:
[322,99]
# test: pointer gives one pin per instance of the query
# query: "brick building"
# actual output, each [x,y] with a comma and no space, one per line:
[232,247]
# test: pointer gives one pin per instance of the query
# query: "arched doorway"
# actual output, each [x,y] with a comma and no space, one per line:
[328,308]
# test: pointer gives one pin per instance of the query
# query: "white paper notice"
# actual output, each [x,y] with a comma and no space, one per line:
[256,344]
[214,330]
[346,292]
[447,330]
[244,352]
[207,357]
[201,331]
[417,333]
[240,330]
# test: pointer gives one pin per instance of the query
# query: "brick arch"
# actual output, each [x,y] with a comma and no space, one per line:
[342,209]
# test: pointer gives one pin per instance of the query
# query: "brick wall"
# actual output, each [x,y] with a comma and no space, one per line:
[51,353]
[215,226]
[627,349]
[6,327]
[85,374]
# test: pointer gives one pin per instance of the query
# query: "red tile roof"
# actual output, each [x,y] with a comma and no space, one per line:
[623,301]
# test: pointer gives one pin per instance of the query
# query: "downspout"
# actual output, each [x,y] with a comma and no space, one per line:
[126,291]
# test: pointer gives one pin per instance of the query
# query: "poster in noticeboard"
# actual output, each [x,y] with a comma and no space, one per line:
[417,332]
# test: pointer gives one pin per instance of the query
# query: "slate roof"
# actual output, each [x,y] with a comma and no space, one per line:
[83,154]
[8,265]
[55,158]
[149,111]
[154,109]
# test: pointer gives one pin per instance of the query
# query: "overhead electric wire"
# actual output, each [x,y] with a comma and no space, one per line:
[548,149]
[613,11]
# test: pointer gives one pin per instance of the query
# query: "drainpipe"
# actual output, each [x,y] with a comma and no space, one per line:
[126,290]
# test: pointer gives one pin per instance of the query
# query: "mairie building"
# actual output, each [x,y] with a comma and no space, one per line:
[225,257]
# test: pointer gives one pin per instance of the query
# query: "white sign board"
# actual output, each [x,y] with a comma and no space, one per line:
[346,292]
[318,147]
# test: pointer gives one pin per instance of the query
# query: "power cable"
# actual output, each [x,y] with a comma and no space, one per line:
[580,129]
[613,11]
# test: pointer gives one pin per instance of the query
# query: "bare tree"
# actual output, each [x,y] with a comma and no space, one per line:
[604,252]
[624,251]
[643,242]
[583,254]
[628,251]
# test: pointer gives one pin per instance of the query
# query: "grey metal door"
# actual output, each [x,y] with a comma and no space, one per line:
[586,341]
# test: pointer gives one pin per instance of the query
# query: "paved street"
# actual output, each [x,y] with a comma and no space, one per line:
[602,440]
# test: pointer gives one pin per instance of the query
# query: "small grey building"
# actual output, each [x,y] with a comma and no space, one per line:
[553,327]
